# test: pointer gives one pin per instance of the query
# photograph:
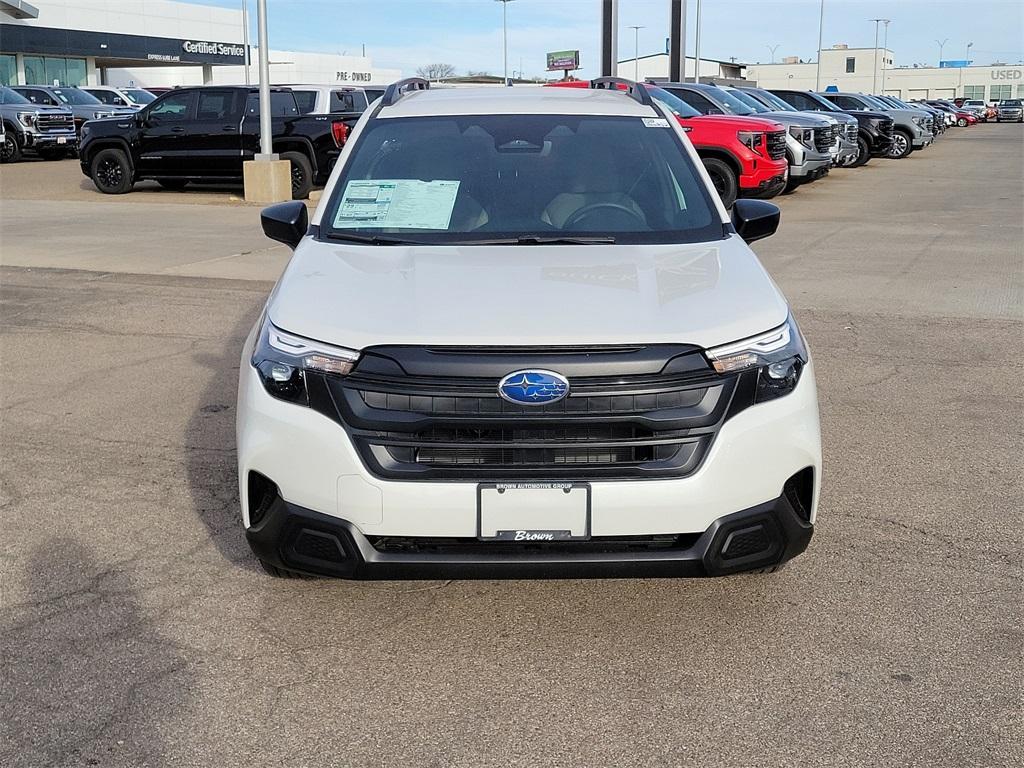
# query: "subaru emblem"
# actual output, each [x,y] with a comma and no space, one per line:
[533,387]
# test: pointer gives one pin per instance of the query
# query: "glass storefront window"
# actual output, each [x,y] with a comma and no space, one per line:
[997,92]
[34,74]
[8,70]
[56,70]
[974,91]
[76,72]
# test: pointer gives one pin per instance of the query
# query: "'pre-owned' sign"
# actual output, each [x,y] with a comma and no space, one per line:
[212,49]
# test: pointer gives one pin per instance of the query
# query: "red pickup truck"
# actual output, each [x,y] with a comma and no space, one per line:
[744,156]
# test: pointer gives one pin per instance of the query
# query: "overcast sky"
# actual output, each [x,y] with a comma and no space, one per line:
[467,33]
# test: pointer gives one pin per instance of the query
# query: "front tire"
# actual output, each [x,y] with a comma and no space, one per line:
[10,150]
[302,174]
[962,123]
[863,153]
[111,172]
[724,179]
[902,144]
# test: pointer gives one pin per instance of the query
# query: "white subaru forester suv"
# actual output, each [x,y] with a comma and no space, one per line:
[522,337]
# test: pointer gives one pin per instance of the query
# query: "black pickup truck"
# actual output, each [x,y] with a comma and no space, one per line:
[203,134]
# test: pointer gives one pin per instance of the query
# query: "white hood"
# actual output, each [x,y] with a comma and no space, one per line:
[358,296]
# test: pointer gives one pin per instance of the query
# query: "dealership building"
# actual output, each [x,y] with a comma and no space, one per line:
[867,70]
[151,43]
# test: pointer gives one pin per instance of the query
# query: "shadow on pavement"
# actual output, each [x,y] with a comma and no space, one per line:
[86,677]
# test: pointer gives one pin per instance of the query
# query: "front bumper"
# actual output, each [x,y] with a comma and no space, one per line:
[317,470]
[810,170]
[37,140]
[848,152]
[921,138]
[298,539]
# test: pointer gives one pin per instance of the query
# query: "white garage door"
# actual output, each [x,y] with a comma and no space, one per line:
[944,93]
[918,93]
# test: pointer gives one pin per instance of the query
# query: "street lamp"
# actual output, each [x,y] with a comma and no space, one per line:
[885,48]
[773,49]
[969,53]
[942,44]
[504,34]
[696,49]
[821,29]
[636,50]
[874,73]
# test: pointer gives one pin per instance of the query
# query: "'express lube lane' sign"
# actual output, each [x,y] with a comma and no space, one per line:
[205,48]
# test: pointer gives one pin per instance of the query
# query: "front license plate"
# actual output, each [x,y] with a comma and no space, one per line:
[62,139]
[533,511]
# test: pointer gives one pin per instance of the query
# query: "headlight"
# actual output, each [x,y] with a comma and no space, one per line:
[778,355]
[804,135]
[752,140]
[98,115]
[917,120]
[283,360]
[27,118]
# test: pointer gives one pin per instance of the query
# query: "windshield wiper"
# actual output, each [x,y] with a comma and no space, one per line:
[537,240]
[351,237]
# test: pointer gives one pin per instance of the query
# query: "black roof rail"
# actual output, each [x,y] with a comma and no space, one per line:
[397,90]
[634,89]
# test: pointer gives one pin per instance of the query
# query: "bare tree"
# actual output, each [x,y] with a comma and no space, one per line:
[436,71]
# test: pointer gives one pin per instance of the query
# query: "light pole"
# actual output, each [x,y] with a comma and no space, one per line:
[636,50]
[942,44]
[773,49]
[969,53]
[504,34]
[885,48]
[821,29]
[266,135]
[696,49]
[874,72]
[245,36]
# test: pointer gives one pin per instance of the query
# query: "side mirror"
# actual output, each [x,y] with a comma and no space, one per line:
[287,222]
[755,219]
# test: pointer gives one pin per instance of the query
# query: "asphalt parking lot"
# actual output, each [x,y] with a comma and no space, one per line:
[137,630]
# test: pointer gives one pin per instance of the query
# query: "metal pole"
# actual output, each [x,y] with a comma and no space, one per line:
[609,38]
[696,48]
[885,48]
[636,50]
[773,49]
[874,69]
[266,135]
[677,43]
[942,44]
[504,35]
[821,30]
[245,37]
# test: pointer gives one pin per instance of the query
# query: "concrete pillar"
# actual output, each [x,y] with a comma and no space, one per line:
[207,74]
[19,65]
[92,75]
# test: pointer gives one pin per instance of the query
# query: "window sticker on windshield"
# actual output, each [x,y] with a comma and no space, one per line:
[655,122]
[397,204]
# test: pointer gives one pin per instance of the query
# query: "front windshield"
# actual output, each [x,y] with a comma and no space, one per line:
[139,96]
[872,101]
[75,96]
[734,105]
[672,103]
[775,101]
[1010,103]
[750,101]
[509,178]
[7,96]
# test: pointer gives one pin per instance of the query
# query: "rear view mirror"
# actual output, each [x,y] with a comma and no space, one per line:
[287,222]
[755,219]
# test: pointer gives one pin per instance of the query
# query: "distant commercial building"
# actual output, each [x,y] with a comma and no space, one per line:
[155,42]
[656,65]
[856,70]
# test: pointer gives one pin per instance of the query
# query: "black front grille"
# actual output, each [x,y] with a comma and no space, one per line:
[823,139]
[776,144]
[48,121]
[851,131]
[655,422]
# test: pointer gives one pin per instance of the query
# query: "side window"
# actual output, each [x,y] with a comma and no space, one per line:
[305,100]
[696,101]
[172,107]
[845,102]
[800,101]
[39,97]
[347,101]
[282,104]
[214,105]
[851,64]
[107,97]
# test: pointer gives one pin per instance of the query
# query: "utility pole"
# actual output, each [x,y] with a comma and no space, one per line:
[821,29]
[266,134]
[874,70]
[942,44]
[773,49]
[696,48]
[636,49]
[504,34]
[969,54]
[267,178]
[885,49]
[245,37]
[609,38]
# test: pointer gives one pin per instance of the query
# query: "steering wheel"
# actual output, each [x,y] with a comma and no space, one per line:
[581,213]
